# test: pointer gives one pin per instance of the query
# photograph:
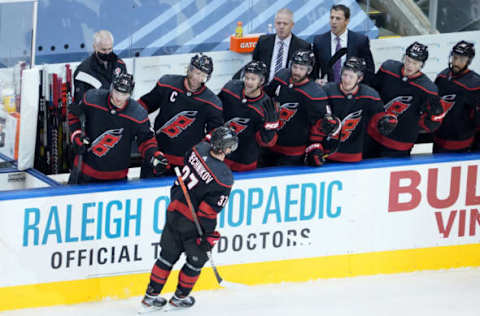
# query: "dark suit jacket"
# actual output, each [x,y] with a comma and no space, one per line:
[264,49]
[357,45]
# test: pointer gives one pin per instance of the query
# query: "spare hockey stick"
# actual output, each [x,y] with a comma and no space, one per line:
[220,280]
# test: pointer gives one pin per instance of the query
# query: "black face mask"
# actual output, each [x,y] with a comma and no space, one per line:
[107,57]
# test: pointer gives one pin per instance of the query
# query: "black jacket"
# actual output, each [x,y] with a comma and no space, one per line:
[358,45]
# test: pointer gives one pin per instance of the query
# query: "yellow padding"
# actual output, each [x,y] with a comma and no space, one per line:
[298,270]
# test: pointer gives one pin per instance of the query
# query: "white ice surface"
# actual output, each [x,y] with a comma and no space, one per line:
[428,293]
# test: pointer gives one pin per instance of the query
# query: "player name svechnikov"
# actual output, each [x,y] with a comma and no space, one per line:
[199,168]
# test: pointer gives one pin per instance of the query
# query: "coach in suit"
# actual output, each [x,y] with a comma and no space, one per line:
[325,46]
[275,50]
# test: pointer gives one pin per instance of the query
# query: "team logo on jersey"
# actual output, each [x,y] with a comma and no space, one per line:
[177,124]
[239,124]
[398,105]
[448,101]
[117,71]
[103,143]
[349,124]
[287,111]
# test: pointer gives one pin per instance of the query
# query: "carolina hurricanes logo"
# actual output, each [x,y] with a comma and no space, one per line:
[177,124]
[398,105]
[349,124]
[117,71]
[103,143]
[448,101]
[239,124]
[287,111]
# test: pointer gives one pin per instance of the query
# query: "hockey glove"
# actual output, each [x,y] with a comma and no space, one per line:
[80,142]
[314,155]
[159,163]
[387,124]
[208,241]
[272,115]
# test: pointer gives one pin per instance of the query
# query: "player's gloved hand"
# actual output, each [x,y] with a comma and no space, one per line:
[272,114]
[387,124]
[208,241]
[80,142]
[314,155]
[159,163]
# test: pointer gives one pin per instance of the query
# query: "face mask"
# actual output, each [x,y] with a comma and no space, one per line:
[107,57]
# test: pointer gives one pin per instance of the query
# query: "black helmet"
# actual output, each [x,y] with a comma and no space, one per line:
[202,62]
[417,51]
[257,67]
[464,48]
[223,137]
[123,83]
[303,57]
[356,64]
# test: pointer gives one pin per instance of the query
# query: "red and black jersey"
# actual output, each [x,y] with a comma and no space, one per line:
[356,111]
[111,131]
[461,93]
[302,108]
[184,117]
[209,182]
[246,116]
[409,99]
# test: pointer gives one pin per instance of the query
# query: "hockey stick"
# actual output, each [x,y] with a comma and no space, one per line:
[220,280]
[76,171]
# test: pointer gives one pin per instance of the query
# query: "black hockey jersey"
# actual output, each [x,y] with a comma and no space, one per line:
[409,99]
[184,117]
[462,95]
[246,116]
[92,74]
[302,108]
[111,132]
[356,111]
[209,182]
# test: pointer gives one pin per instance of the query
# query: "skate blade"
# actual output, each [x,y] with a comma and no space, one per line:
[167,308]
[147,310]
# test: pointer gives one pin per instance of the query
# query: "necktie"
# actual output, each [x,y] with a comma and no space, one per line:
[278,62]
[337,67]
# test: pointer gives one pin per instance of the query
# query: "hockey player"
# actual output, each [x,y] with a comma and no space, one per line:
[112,121]
[98,70]
[357,106]
[209,182]
[188,110]
[409,95]
[251,113]
[303,124]
[459,87]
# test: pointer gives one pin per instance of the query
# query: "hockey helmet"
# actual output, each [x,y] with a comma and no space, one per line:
[464,48]
[203,63]
[223,138]
[417,51]
[123,83]
[355,64]
[303,57]
[257,67]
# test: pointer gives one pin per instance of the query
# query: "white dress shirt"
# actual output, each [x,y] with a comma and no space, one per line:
[286,45]
[343,43]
